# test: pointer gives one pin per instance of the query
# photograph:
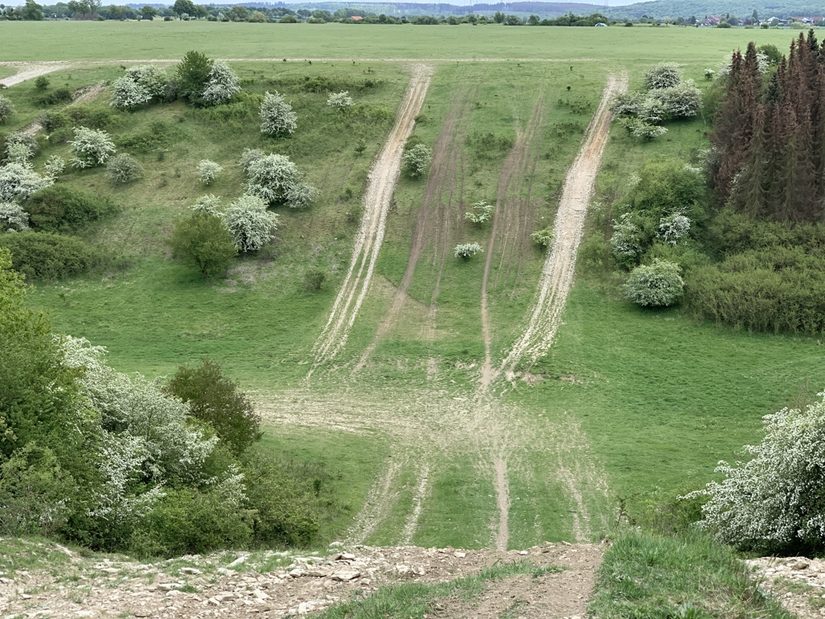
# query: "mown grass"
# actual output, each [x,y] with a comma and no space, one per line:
[616,46]
[689,576]
[417,600]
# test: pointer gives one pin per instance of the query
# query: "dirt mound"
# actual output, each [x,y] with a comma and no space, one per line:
[796,582]
[240,585]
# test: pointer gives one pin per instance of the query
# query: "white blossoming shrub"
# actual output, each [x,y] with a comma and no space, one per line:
[659,284]
[673,229]
[55,166]
[250,224]
[127,94]
[123,169]
[651,111]
[681,101]
[6,109]
[13,217]
[276,180]
[627,104]
[642,130]
[480,213]
[775,501]
[151,78]
[627,241]
[277,117]
[208,171]
[18,152]
[467,250]
[417,160]
[222,86]
[663,75]
[208,205]
[250,156]
[339,100]
[18,181]
[91,147]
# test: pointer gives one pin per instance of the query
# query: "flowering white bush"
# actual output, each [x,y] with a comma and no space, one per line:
[627,104]
[222,86]
[122,169]
[13,217]
[655,285]
[774,502]
[417,160]
[208,171]
[681,101]
[18,152]
[663,75]
[149,77]
[480,213]
[207,204]
[674,228]
[642,130]
[543,237]
[627,242]
[18,181]
[91,147]
[339,100]
[651,111]
[277,117]
[54,166]
[467,250]
[127,94]
[250,156]
[301,195]
[251,225]
[271,177]
[6,109]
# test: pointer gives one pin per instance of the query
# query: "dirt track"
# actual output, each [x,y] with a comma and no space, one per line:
[370,235]
[559,267]
[29,71]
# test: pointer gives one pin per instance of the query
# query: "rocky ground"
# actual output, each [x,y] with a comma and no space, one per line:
[798,583]
[279,584]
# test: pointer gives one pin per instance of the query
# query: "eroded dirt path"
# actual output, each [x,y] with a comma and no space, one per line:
[30,70]
[370,235]
[510,205]
[559,267]
[435,219]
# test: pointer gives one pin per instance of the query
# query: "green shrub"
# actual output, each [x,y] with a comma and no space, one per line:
[123,169]
[544,237]
[417,160]
[192,521]
[59,95]
[63,209]
[205,241]
[94,118]
[157,134]
[41,83]
[216,399]
[42,255]
[658,284]
[6,109]
[193,76]
[314,279]
[480,213]
[283,503]
[666,188]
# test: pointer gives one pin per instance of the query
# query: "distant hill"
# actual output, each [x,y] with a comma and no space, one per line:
[740,8]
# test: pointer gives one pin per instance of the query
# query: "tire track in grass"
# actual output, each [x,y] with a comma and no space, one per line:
[377,199]
[559,267]
[432,218]
[508,213]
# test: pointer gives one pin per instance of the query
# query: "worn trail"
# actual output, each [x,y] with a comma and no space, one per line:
[377,199]
[559,267]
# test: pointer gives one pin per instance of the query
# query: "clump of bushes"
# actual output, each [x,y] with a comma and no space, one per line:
[277,117]
[20,147]
[276,180]
[208,171]
[250,224]
[222,85]
[417,160]
[663,75]
[773,502]
[56,96]
[6,109]
[123,169]
[62,209]
[467,250]
[204,240]
[480,213]
[18,181]
[91,147]
[659,284]
[47,256]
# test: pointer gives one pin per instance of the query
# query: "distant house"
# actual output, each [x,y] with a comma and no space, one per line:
[357,18]
[601,24]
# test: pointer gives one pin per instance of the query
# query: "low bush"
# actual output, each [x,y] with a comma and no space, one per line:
[59,95]
[314,279]
[659,284]
[774,502]
[91,147]
[41,83]
[250,224]
[277,117]
[128,94]
[544,237]
[204,240]
[20,147]
[663,75]
[13,217]
[276,180]
[55,166]
[6,109]
[91,117]
[123,169]
[47,256]
[18,181]
[480,213]
[208,171]
[339,100]
[62,209]
[467,250]
[417,160]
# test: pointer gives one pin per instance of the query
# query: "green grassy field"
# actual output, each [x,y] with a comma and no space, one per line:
[641,403]
[142,40]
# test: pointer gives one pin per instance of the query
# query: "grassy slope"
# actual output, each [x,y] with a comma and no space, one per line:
[624,46]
